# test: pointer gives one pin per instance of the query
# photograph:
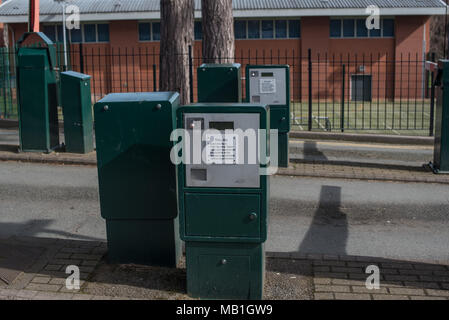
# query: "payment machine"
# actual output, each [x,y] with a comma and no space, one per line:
[137,179]
[223,198]
[270,84]
[37,93]
[440,162]
[219,82]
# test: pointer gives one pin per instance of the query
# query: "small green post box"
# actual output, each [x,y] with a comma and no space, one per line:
[223,198]
[137,179]
[270,84]
[77,110]
[219,82]
[37,93]
[441,150]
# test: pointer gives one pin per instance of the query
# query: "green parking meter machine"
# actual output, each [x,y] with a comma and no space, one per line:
[270,84]
[440,162]
[223,198]
[137,179]
[37,93]
[219,82]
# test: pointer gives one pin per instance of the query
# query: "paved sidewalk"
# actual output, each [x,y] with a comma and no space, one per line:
[323,170]
[289,276]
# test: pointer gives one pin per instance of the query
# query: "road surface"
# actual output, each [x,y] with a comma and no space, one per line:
[309,215]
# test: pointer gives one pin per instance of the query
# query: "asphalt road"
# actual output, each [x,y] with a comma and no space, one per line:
[376,219]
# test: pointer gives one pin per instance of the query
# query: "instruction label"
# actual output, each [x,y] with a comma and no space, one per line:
[221,148]
[267,85]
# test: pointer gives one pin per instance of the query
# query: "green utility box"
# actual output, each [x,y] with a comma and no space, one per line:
[441,150]
[137,180]
[37,93]
[223,199]
[219,82]
[77,110]
[270,84]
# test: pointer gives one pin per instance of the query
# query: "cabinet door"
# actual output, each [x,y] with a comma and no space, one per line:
[222,215]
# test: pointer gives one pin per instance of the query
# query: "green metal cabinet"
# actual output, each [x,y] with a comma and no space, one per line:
[77,110]
[137,180]
[270,84]
[441,150]
[219,82]
[224,210]
[37,93]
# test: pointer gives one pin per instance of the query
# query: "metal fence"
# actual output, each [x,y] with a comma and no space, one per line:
[338,92]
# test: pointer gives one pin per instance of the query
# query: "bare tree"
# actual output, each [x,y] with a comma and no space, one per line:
[177,20]
[218,31]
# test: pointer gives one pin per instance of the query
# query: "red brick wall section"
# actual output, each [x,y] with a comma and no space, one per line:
[409,48]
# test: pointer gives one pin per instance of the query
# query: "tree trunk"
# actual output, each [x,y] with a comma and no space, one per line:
[218,31]
[177,17]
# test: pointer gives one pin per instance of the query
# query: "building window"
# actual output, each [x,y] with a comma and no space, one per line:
[362,31]
[267,29]
[294,29]
[240,29]
[89,32]
[149,31]
[254,29]
[350,28]
[76,36]
[103,32]
[335,28]
[198,30]
[144,31]
[281,29]
[388,27]
[50,32]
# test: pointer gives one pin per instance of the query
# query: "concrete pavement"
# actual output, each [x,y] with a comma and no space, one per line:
[307,215]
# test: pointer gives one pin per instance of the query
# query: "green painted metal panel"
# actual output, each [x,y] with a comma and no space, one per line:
[441,150]
[148,242]
[219,83]
[77,110]
[283,155]
[280,119]
[37,91]
[137,180]
[222,215]
[224,270]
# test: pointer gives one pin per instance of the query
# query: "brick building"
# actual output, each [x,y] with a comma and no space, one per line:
[120,41]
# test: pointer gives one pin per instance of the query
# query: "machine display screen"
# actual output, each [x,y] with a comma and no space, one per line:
[221,125]
[267,74]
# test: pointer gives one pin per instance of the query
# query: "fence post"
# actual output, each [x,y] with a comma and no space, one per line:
[342,110]
[310,90]
[190,74]
[154,78]
[432,99]
[81,58]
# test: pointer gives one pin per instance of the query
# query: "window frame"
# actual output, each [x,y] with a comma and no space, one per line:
[368,36]
[83,39]
[274,29]
[151,22]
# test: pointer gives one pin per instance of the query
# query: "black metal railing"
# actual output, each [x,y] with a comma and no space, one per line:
[337,92]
